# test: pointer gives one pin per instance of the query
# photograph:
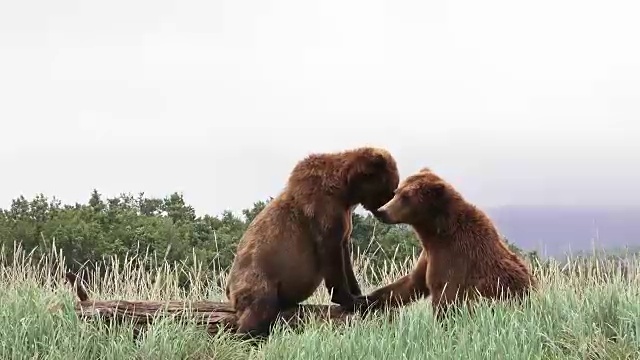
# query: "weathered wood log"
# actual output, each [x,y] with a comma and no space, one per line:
[209,314]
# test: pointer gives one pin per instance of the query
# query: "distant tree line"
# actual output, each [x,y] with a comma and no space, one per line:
[128,224]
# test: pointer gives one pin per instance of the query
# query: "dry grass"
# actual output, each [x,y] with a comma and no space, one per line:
[587,310]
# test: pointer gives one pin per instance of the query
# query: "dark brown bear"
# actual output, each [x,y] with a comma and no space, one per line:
[301,237]
[461,249]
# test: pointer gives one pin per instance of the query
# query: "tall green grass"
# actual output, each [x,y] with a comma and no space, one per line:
[584,310]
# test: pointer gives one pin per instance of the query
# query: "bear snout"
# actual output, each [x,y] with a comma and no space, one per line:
[382,214]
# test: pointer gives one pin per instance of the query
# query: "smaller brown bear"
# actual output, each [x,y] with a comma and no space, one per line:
[462,256]
[302,236]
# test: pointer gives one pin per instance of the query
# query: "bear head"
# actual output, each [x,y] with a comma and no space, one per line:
[420,197]
[371,177]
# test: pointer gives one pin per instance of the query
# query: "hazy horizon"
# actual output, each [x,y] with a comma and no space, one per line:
[513,103]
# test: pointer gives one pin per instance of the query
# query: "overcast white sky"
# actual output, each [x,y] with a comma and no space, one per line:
[514,102]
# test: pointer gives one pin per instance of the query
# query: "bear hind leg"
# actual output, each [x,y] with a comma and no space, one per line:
[257,317]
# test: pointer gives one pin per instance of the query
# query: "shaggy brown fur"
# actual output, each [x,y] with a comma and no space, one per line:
[463,256]
[301,237]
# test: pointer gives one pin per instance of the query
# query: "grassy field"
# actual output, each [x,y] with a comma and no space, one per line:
[594,313]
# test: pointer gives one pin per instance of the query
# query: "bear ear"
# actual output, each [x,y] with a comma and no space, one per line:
[366,164]
[425,170]
[378,161]
[438,189]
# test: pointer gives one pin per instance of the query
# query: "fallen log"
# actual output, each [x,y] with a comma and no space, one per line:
[208,314]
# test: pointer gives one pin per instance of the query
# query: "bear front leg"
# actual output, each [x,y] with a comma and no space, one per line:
[334,275]
[405,290]
[354,287]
